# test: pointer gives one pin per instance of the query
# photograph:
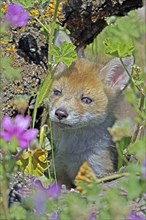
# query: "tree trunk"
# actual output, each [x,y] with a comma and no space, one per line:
[85,19]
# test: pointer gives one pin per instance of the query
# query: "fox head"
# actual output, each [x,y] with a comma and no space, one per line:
[85,93]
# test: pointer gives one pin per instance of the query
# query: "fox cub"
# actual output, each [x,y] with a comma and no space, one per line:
[82,103]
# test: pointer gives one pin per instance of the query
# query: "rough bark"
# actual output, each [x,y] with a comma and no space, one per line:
[86,18]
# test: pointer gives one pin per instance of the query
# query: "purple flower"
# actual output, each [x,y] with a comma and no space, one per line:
[16,15]
[92,216]
[18,128]
[39,202]
[53,190]
[144,169]
[41,195]
[54,216]
[133,216]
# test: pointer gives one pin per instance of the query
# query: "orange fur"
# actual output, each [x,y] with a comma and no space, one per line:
[81,80]
[80,128]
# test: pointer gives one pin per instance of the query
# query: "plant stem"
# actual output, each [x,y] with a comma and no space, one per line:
[138,126]
[53,27]
[51,38]
[131,79]
[125,67]
[112,177]
[141,105]
[52,147]
[38,20]
[4,192]
[56,10]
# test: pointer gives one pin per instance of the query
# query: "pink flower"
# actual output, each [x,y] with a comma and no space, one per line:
[18,128]
[16,15]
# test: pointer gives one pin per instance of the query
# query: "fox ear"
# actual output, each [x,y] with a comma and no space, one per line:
[60,37]
[59,69]
[115,74]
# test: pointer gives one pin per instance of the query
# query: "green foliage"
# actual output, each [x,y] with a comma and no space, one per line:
[29,3]
[138,149]
[8,164]
[133,187]
[13,145]
[120,32]
[114,205]
[122,128]
[126,28]
[118,48]
[6,65]
[76,207]
[17,212]
[8,70]
[104,214]
[25,3]
[42,94]
[65,54]
[92,191]
[111,203]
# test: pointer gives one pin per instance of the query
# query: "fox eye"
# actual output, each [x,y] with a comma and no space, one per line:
[57,92]
[86,100]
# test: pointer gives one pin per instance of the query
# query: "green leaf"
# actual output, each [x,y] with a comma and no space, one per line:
[3,144]
[115,202]
[77,207]
[119,48]
[68,53]
[17,212]
[51,206]
[122,128]
[42,94]
[125,28]
[56,52]
[104,214]
[133,187]
[5,61]
[13,145]
[138,149]
[2,172]
[7,70]
[44,90]
[65,54]
[26,3]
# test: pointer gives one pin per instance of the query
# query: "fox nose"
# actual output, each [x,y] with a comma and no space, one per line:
[61,113]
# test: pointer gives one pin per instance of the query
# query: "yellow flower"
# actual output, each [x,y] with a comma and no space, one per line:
[10,49]
[51,9]
[4,7]
[34,12]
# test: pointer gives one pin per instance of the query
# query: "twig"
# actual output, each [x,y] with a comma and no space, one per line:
[112,177]
[52,150]
[138,126]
